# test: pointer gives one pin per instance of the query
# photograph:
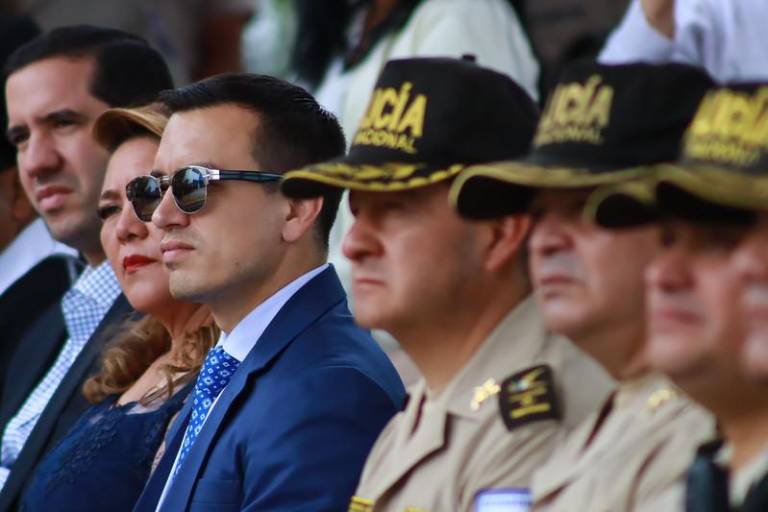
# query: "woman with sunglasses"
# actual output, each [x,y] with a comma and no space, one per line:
[149,368]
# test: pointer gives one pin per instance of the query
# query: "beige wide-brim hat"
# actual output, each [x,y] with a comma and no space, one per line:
[116,125]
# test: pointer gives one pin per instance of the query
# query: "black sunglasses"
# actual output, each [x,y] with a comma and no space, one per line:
[189,186]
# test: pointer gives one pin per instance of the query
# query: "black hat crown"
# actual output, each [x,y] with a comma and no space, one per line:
[730,130]
[603,117]
[427,119]
[443,111]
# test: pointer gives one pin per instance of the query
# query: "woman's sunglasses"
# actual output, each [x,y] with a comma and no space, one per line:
[189,186]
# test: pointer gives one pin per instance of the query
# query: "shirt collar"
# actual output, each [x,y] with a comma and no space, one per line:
[247,332]
[29,248]
[99,284]
[515,344]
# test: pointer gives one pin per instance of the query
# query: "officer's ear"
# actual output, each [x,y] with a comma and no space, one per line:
[507,242]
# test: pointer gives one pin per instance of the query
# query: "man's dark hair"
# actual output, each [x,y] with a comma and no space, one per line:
[128,71]
[293,130]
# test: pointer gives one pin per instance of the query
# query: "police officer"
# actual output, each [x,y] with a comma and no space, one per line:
[706,289]
[602,124]
[497,388]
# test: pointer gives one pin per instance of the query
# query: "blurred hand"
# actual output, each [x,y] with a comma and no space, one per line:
[661,15]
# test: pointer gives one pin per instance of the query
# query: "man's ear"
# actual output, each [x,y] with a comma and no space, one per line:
[302,214]
[508,237]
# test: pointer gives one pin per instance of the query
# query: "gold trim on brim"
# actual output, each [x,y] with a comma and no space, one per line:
[718,186]
[399,176]
[639,194]
[540,176]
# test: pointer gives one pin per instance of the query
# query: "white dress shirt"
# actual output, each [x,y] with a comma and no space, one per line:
[84,307]
[726,37]
[31,246]
[246,334]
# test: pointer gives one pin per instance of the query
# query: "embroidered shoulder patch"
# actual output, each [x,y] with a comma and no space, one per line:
[528,396]
[358,504]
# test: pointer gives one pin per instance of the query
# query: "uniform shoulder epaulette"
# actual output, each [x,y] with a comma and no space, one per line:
[528,396]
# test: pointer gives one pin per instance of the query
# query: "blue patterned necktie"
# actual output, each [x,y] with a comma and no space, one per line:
[217,369]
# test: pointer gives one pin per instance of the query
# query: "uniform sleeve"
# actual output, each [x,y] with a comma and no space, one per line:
[489,29]
[312,461]
[636,40]
[511,461]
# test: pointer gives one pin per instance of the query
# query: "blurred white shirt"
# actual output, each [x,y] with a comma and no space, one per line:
[726,37]
[29,248]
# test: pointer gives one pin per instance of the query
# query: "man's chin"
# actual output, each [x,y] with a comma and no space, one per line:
[185,289]
[368,317]
[70,231]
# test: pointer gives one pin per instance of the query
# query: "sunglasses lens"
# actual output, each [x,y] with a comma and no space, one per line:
[189,189]
[145,195]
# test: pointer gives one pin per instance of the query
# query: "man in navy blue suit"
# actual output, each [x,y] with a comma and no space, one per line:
[290,401]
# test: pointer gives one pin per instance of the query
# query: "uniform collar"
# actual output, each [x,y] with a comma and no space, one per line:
[512,346]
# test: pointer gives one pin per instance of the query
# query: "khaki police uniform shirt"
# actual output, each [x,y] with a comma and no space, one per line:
[631,455]
[442,450]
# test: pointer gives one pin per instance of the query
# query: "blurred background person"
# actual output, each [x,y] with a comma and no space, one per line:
[725,38]
[147,369]
[706,282]
[197,38]
[603,124]
[35,269]
[57,85]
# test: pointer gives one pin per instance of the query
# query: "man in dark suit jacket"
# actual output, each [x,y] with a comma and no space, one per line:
[290,401]
[57,85]
[28,298]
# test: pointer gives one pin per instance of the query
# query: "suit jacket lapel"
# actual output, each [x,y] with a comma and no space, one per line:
[39,437]
[83,364]
[43,341]
[310,302]
[151,494]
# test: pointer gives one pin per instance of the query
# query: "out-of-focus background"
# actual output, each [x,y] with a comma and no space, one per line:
[336,48]
[204,37]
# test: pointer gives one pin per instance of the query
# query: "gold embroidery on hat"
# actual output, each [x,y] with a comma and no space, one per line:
[576,112]
[393,119]
[730,127]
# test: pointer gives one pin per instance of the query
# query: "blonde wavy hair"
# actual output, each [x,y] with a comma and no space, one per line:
[136,346]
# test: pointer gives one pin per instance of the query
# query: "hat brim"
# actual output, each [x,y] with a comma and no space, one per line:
[505,188]
[624,205]
[319,179]
[692,194]
[716,186]
[117,124]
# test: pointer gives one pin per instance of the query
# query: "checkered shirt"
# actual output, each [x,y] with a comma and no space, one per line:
[83,306]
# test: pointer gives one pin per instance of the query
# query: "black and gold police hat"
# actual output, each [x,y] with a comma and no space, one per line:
[722,173]
[428,118]
[602,124]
